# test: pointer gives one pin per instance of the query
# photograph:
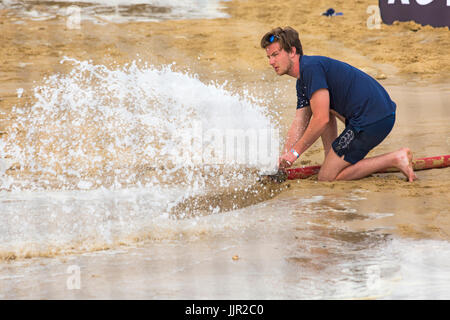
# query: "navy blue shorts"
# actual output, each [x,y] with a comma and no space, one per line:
[355,143]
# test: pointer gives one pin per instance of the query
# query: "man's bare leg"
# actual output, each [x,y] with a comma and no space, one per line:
[336,168]
[332,166]
[400,159]
[330,134]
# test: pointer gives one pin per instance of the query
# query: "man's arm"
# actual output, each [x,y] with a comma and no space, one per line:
[298,127]
[320,108]
[340,117]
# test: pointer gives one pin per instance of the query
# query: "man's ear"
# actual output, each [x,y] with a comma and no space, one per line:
[293,52]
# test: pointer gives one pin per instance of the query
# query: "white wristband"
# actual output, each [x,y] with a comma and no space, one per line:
[295,153]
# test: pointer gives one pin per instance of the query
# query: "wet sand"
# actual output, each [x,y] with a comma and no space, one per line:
[411,61]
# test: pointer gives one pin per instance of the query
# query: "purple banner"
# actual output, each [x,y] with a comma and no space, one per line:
[426,12]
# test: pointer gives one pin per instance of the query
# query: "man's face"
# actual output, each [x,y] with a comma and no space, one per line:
[278,58]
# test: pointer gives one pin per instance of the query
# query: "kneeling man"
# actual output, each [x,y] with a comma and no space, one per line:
[326,89]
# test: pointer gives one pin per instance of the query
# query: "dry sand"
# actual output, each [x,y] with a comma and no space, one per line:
[410,60]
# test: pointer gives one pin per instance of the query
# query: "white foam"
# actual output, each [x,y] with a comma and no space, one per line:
[97,122]
[104,153]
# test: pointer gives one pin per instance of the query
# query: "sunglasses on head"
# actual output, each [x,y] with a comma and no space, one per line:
[273,37]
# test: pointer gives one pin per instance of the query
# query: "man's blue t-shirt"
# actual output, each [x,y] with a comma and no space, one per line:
[353,94]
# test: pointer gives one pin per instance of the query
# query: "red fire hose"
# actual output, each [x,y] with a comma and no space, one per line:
[418,164]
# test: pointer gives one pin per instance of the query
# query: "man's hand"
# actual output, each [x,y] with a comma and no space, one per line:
[286,160]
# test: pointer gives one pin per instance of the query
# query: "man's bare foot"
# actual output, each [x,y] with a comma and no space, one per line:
[404,163]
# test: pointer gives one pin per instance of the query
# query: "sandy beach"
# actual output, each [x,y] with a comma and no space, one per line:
[411,61]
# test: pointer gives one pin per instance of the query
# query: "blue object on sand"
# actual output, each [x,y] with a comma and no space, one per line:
[331,12]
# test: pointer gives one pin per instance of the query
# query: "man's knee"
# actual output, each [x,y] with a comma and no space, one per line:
[332,167]
[325,177]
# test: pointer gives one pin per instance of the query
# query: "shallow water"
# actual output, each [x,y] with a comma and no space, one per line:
[273,250]
[117,11]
